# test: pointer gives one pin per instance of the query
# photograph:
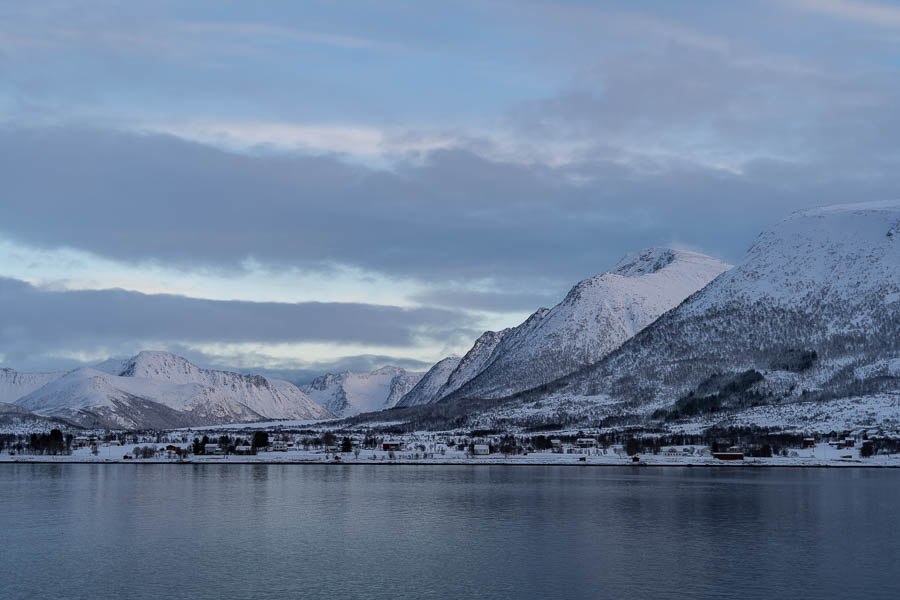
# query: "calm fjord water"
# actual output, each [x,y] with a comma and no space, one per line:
[269,531]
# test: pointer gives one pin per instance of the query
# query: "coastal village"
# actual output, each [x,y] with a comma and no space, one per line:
[278,444]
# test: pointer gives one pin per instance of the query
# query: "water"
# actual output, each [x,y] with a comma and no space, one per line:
[270,531]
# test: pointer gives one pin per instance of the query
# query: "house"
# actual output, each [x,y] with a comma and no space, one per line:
[243,449]
[809,442]
[586,442]
[279,446]
[556,445]
[481,449]
[212,449]
[849,442]
[732,453]
[391,446]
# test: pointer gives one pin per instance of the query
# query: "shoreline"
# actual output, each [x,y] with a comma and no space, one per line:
[847,464]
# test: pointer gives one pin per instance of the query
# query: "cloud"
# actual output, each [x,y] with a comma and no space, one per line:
[872,13]
[36,322]
[359,141]
[486,301]
[455,220]
[458,217]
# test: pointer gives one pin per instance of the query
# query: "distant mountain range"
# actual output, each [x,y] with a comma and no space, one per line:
[156,390]
[805,328]
[595,317]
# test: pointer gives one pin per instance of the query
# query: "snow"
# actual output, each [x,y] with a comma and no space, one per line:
[595,318]
[431,383]
[15,384]
[844,414]
[349,393]
[131,393]
[819,281]
[844,252]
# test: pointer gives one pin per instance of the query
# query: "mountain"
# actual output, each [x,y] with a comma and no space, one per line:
[161,390]
[809,318]
[15,384]
[402,385]
[431,383]
[348,393]
[596,316]
[16,419]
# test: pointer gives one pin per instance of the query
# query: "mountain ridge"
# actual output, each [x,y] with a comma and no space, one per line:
[597,315]
[160,389]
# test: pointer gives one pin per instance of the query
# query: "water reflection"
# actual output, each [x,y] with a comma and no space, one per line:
[242,531]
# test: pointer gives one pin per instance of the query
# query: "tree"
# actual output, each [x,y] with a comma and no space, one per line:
[197,447]
[632,446]
[260,439]
[346,445]
[867,450]
[56,443]
[508,445]
[328,438]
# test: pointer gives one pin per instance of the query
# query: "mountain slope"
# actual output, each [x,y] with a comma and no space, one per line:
[348,393]
[15,384]
[812,313]
[596,316]
[17,419]
[158,389]
[431,383]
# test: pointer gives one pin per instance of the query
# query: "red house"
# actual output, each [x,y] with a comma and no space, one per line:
[730,454]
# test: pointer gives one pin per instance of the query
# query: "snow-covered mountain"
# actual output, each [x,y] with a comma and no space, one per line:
[158,389]
[596,317]
[401,385]
[810,315]
[17,419]
[431,383]
[349,393]
[15,384]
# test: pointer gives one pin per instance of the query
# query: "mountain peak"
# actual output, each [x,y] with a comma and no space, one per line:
[648,260]
[157,363]
[655,259]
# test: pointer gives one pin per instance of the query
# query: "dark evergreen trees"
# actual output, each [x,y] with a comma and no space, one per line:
[260,439]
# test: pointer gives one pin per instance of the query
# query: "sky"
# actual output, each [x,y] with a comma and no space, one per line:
[301,187]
